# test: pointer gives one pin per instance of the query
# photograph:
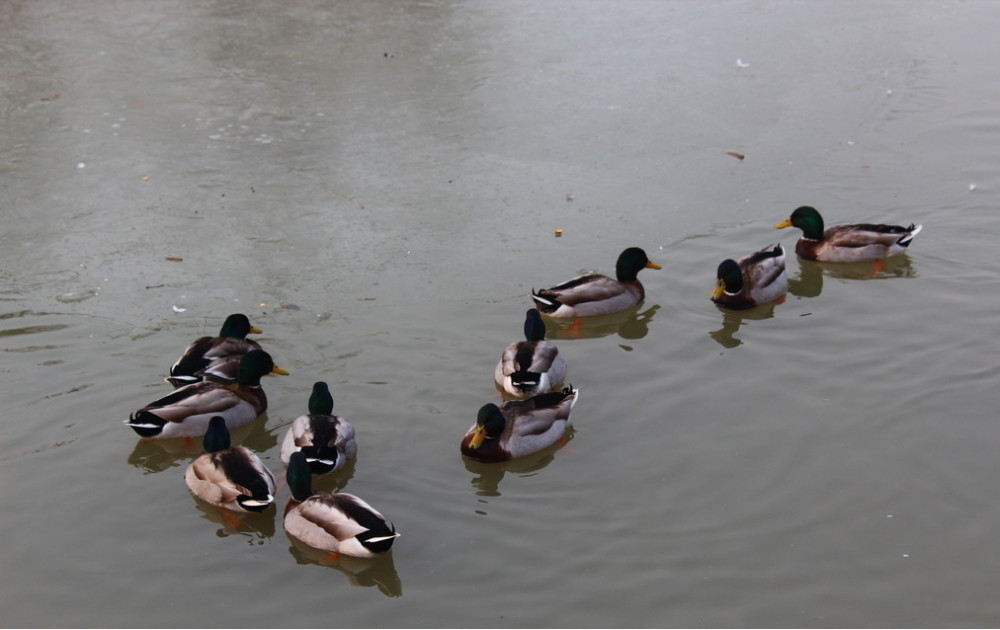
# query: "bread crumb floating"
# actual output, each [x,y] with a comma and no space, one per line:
[558,232]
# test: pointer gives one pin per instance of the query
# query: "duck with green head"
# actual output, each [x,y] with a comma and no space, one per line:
[187,411]
[755,279]
[230,477]
[338,522]
[516,428]
[216,358]
[597,294]
[326,440]
[856,242]
[532,366]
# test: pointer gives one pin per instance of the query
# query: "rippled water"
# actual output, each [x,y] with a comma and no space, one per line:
[377,184]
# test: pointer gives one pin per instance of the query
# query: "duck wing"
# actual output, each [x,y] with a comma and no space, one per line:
[764,268]
[866,234]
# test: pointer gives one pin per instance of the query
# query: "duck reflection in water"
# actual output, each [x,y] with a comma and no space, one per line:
[256,527]
[628,324]
[809,282]
[732,320]
[490,474]
[364,572]
[900,266]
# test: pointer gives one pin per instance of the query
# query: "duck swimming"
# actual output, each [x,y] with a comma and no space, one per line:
[230,477]
[533,366]
[187,411]
[597,294]
[326,440]
[856,242]
[519,427]
[216,358]
[755,279]
[338,523]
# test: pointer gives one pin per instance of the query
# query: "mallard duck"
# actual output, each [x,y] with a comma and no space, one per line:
[231,477]
[847,243]
[187,410]
[326,440]
[338,523]
[756,279]
[597,294]
[532,366]
[519,427]
[217,358]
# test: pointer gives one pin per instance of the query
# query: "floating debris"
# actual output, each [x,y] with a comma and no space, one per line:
[736,155]
[174,259]
[74,296]
[558,232]
[178,309]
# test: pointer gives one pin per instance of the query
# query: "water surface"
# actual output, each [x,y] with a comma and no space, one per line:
[377,185]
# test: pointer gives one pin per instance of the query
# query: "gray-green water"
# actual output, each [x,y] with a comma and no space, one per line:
[377,183]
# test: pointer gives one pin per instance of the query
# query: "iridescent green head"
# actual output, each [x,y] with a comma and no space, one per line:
[238,326]
[299,476]
[489,424]
[321,400]
[807,219]
[729,278]
[254,365]
[631,262]
[534,327]
[217,435]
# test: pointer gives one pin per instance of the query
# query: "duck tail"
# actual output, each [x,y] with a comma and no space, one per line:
[146,424]
[572,394]
[526,382]
[907,238]
[544,303]
[251,504]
